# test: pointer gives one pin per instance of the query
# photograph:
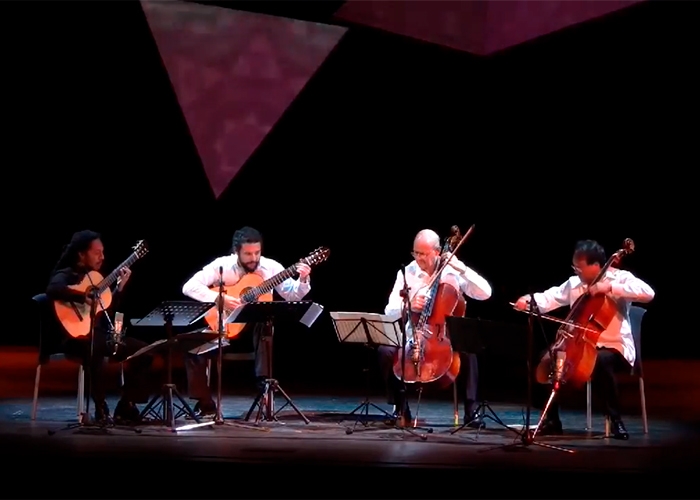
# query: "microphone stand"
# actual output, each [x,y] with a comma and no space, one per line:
[85,420]
[219,417]
[405,322]
[527,437]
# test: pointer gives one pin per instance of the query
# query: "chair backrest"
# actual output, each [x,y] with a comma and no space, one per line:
[636,316]
[49,334]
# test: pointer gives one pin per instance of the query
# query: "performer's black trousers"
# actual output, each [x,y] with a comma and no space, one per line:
[137,383]
[196,365]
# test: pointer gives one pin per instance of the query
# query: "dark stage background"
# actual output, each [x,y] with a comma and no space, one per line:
[569,137]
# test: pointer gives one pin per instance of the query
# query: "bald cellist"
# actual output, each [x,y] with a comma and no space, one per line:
[427,257]
[615,346]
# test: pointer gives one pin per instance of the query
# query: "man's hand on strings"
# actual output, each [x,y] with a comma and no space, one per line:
[454,262]
[523,303]
[231,302]
[600,288]
[124,275]
[304,271]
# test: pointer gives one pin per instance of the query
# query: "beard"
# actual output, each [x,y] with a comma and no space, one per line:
[250,267]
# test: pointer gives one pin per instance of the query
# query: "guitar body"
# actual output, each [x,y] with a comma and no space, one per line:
[246,283]
[75,318]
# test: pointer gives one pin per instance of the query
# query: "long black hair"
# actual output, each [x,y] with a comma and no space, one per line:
[80,242]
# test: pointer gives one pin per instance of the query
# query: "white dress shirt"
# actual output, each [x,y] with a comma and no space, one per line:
[197,287]
[470,283]
[626,288]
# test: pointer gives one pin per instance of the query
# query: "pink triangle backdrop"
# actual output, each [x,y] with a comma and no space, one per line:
[477,26]
[234,73]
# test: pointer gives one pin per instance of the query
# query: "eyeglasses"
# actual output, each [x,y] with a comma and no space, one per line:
[420,254]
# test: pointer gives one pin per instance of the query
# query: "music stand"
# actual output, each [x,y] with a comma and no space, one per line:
[270,313]
[371,330]
[466,336]
[171,314]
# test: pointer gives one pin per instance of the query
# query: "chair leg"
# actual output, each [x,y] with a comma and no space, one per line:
[209,373]
[589,407]
[121,365]
[35,402]
[456,403]
[642,397]
[81,391]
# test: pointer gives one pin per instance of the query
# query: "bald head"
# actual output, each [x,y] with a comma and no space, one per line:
[426,249]
[428,237]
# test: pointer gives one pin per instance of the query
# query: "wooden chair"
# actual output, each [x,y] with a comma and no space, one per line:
[636,317]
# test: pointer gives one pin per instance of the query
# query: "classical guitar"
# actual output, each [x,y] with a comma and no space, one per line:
[75,318]
[251,288]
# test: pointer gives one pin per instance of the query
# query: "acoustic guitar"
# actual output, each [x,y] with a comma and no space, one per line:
[252,288]
[75,318]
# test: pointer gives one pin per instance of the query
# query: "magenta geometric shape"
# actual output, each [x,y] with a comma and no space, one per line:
[234,74]
[480,27]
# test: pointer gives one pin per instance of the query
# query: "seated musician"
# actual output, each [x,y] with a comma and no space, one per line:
[426,252]
[83,254]
[615,346]
[245,258]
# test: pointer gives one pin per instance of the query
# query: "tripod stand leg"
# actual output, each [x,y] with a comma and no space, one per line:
[185,408]
[543,416]
[291,403]
[256,403]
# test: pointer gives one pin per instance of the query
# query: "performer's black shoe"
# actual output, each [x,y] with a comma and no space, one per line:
[101,412]
[550,427]
[618,430]
[126,413]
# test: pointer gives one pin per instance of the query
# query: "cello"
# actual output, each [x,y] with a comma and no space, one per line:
[428,356]
[574,347]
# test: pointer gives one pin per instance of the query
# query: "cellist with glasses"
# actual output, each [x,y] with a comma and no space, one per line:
[615,346]
[418,274]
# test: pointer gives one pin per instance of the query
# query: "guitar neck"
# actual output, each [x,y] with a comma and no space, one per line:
[112,277]
[268,285]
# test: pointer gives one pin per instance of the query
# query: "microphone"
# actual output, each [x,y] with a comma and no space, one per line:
[559,363]
[117,333]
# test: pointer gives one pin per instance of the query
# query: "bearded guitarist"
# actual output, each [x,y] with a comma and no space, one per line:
[79,265]
[246,259]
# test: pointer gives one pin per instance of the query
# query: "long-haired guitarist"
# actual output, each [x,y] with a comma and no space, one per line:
[85,253]
[246,259]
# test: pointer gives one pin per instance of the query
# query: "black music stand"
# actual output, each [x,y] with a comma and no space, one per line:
[171,314]
[271,313]
[371,330]
[466,337]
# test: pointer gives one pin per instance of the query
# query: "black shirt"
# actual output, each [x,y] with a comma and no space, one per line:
[58,289]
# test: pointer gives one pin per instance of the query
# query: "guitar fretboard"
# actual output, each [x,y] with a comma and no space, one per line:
[112,277]
[269,284]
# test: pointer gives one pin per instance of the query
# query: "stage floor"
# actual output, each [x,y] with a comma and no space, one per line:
[323,449]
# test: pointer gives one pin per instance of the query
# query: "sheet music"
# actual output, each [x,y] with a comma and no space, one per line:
[147,348]
[234,314]
[209,346]
[383,329]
